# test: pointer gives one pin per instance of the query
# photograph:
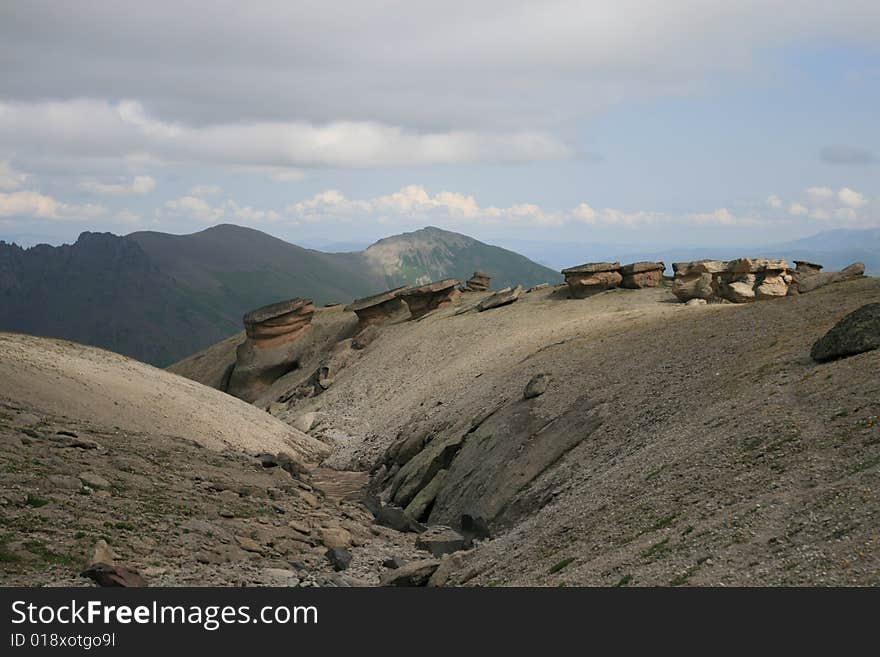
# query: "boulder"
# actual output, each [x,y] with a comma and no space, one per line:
[501,298]
[807,268]
[94,480]
[306,421]
[423,299]
[449,564]
[414,573]
[536,386]
[339,558]
[104,574]
[593,277]
[854,334]
[642,274]
[440,540]
[272,347]
[479,282]
[539,286]
[421,503]
[739,281]
[807,282]
[394,562]
[773,285]
[380,308]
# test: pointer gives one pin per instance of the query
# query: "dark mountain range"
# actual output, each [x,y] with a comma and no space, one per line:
[159,297]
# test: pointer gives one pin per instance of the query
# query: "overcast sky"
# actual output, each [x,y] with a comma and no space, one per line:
[638,122]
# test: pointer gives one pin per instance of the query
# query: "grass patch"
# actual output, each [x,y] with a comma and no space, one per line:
[48,555]
[562,564]
[624,581]
[662,523]
[34,501]
[865,465]
[655,549]
[656,472]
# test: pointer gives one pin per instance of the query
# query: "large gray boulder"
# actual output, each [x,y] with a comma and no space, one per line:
[854,334]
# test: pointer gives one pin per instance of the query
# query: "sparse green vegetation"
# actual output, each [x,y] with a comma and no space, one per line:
[562,564]
[624,581]
[656,548]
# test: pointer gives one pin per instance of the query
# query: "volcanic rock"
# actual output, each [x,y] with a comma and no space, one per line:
[339,558]
[536,386]
[479,282]
[807,282]
[642,274]
[379,308]
[440,540]
[588,279]
[105,574]
[272,347]
[423,299]
[854,334]
[500,298]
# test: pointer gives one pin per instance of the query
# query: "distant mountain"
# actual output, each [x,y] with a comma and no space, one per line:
[160,297]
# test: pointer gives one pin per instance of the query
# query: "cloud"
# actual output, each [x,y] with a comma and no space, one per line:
[28,204]
[94,129]
[851,198]
[139,186]
[820,194]
[774,202]
[288,175]
[846,155]
[193,207]
[205,190]
[797,209]
[9,178]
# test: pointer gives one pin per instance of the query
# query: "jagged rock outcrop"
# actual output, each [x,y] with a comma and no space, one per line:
[423,299]
[642,274]
[272,347]
[501,298]
[479,282]
[738,281]
[811,278]
[380,308]
[854,334]
[593,277]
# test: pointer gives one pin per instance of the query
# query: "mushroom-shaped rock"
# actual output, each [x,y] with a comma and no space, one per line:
[272,347]
[696,280]
[807,268]
[592,277]
[501,298]
[423,299]
[642,274]
[380,308]
[754,279]
[479,282]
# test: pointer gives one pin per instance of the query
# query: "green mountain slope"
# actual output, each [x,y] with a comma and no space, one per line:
[159,297]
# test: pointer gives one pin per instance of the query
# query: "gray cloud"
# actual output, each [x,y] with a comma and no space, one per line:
[846,155]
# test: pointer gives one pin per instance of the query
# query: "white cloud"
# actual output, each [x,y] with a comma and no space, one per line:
[797,209]
[851,198]
[34,205]
[89,128]
[128,217]
[721,217]
[9,178]
[192,207]
[774,202]
[820,194]
[139,186]
[288,175]
[205,190]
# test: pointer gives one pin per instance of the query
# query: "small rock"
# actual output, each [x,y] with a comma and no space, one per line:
[448,565]
[225,513]
[306,421]
[94,480]
[536,386]
[339,558]
[440,540]
[335,537]
[65,482]
[102,553]
[394,562]
[249,544]
[363,339]
[415,573]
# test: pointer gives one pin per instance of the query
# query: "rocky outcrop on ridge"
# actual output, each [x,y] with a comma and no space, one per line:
[479,282]
[738,281]
[425,298]
[271,348]
[642,274]
[593,277]
[808,278]
[380,308]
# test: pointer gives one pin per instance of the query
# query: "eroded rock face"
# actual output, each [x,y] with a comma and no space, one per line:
[738,281]
[593,277]
[500,298]
[423,299]
[642,274]
[810,279]
[854,334]
[272,347]
[380,308]
[479,282]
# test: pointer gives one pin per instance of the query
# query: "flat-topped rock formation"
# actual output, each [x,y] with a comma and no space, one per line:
[479,282]
[738,281]
[270,349]
[642,274]
[423,299]
[380,308]
[592,277]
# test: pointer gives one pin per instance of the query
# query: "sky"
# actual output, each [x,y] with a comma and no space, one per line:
[649,123]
